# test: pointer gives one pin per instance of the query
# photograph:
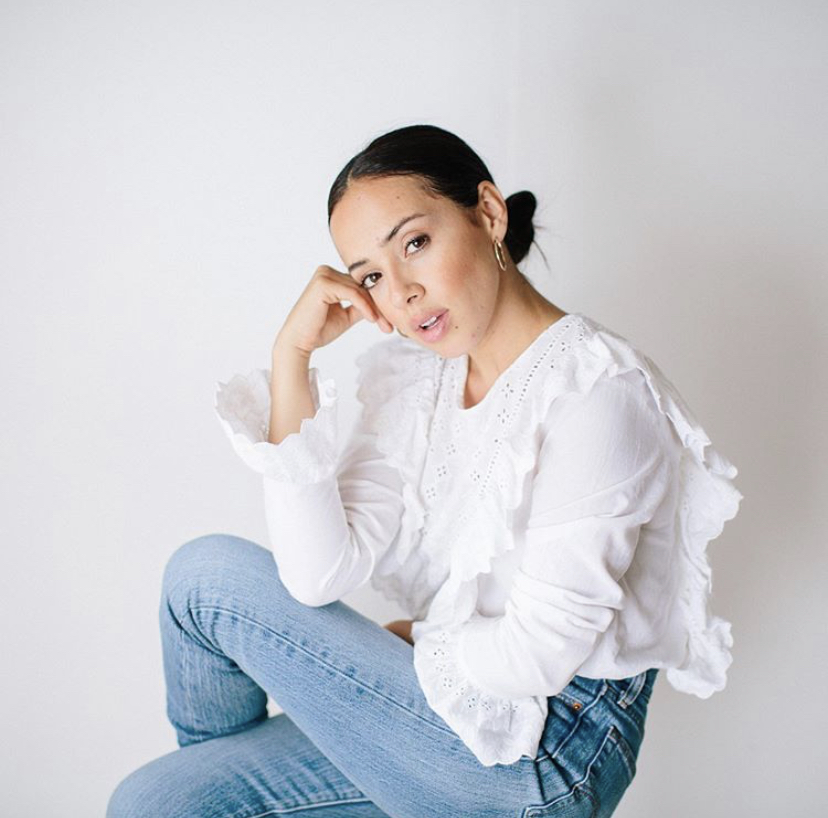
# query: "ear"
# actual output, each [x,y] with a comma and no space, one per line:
[492,210]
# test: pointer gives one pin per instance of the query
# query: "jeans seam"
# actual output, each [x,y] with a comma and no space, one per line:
[571,699]
[577,724]
[540,810]
[583,783]
[623,747]
[181,654]
[302,808]
[316,658]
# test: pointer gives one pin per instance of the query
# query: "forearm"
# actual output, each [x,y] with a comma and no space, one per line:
[290,395]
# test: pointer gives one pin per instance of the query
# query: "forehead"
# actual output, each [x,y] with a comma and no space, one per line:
[369,208]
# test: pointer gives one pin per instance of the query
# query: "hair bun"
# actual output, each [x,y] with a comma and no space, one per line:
[446,166]
[520,232]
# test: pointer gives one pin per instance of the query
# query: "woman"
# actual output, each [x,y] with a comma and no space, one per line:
[522,481]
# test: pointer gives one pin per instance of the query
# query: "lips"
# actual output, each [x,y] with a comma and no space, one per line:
[423,317]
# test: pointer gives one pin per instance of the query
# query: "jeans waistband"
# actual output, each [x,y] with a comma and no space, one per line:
[629,689]
[626,690]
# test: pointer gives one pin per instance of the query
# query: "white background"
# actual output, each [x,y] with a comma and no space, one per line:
[164,169]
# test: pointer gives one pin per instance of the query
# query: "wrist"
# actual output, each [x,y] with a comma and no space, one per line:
[283,352]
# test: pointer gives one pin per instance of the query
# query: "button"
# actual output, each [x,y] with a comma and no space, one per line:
[576,705]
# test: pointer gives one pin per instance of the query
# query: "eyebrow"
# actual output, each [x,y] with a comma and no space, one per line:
[394,231]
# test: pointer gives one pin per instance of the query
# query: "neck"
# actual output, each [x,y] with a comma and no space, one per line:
[522,314]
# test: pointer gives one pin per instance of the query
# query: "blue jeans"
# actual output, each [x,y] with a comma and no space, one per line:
[357,737]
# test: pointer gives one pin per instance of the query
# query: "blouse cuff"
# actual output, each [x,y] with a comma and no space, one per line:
[498,730]
[304,457]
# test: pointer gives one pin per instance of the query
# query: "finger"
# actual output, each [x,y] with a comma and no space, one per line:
[363,300]
[355,308]
[341,287]
[352,315]
[344,288]
[365,304]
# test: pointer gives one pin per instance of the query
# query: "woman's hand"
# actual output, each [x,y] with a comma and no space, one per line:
[317,317]
[402,628]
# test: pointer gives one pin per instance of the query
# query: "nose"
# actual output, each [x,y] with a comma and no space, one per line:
[403,293]
[404,313]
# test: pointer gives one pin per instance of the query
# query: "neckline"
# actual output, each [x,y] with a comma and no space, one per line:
[463,368]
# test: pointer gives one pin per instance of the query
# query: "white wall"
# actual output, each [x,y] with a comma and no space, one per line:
[164,168]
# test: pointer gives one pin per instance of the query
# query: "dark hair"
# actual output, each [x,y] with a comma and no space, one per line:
[447,166]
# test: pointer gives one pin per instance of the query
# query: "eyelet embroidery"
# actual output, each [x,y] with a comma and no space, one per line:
[458,464]
[445,665]
[448,439]
[460,461]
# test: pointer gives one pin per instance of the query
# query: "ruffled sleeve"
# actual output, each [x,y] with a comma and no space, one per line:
[603,469]
[330,514]
[307,456]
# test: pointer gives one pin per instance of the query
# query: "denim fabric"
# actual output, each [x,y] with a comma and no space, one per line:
[357,737]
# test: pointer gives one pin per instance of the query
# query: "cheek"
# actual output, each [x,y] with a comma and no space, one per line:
[461,275]
[473,281]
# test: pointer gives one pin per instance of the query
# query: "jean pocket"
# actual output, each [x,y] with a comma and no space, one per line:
[625,752]
[607,772]
[572,698]
[578,803]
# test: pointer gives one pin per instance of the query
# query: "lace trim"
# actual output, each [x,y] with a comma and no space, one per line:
[496,729]
[577,355]
[496,481]
[584,351]
[708,500]
[397,389]
[307,456]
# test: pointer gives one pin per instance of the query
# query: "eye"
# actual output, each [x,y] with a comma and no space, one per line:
[365,278]
[421,238]
[418,238]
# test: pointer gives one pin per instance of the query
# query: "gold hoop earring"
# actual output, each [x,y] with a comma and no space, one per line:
[498,251]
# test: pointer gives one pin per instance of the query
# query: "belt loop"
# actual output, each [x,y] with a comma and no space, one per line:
[632,690]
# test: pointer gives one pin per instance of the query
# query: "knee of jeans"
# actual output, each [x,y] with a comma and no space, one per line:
[136,797]
[124,803]
[204,558]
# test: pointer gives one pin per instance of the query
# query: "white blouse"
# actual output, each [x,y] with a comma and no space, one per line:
[556,528]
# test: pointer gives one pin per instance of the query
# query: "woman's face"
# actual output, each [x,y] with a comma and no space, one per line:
[438,261]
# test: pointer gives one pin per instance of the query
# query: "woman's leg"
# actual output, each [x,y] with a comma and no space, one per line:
[230,633]
[269,769]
